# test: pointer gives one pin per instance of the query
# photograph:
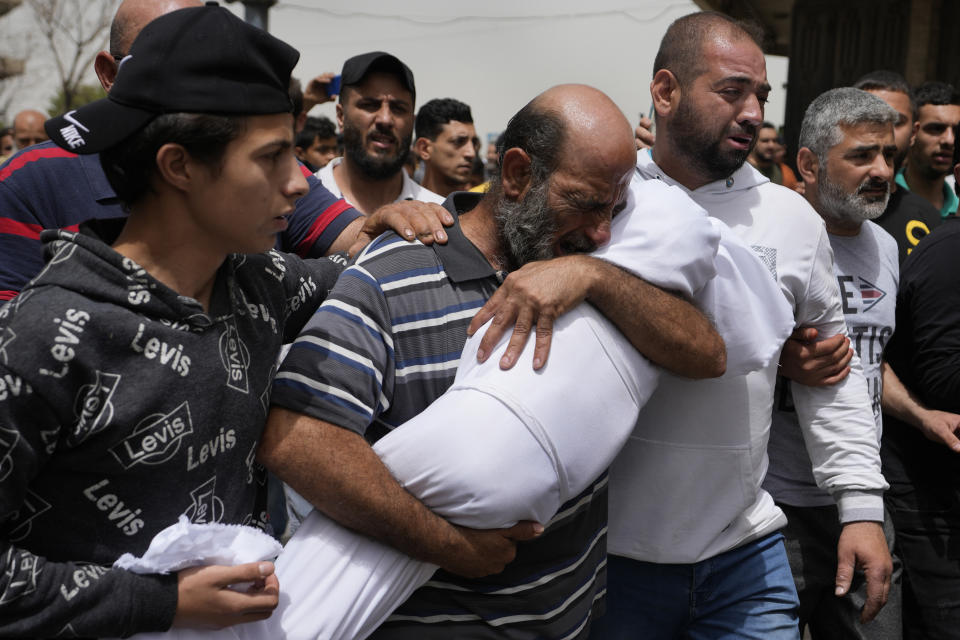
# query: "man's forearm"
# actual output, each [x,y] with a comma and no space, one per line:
[899,401]
[340,474]
[665,328]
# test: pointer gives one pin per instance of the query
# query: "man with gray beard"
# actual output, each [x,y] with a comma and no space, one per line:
[846,162]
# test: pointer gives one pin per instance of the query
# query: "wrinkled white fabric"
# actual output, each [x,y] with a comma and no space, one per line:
[186,544]
[502,446]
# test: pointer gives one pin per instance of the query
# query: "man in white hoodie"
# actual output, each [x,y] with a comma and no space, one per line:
[695,550]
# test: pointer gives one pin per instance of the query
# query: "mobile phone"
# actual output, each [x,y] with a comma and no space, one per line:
[333,87]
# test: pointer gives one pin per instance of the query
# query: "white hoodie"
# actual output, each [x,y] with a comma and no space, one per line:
[686,486]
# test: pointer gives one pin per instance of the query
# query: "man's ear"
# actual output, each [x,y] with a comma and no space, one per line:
[175,166]
[339,116]
[956,172]
[808,165]
[423,148]
[913,136]
[106,68]
[515,172]
[665,92]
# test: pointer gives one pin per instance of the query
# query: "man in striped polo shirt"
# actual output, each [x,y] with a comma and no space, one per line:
[388,342]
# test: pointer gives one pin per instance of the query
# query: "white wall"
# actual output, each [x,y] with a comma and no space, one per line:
[494,55]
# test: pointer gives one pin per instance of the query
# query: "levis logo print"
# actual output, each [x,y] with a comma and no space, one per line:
[93,406]
[161,351]
[80,579]
[32,507]
[277,268]
[223,441]
[138,283]
[306,291]
[20,575]
[7,336]
[155,439]
[205,506]
[69,331]
[12,386]
[119,513]
[259,311]
[8,442]
[236,359]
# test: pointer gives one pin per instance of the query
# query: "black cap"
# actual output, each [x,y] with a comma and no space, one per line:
[357,67]
[196,60]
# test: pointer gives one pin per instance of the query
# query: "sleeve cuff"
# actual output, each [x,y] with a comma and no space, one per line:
[152,602]
[859,506]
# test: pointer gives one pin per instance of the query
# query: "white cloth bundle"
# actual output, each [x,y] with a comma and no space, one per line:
[186,544]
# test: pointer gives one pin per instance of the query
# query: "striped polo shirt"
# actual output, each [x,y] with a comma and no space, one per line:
[383,346]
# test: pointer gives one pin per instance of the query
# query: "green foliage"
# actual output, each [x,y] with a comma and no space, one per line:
[85,93]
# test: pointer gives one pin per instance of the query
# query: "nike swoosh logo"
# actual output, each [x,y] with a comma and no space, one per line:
[68,116]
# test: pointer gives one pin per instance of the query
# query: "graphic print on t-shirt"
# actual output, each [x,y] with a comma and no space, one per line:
[33,507]
[93,406]
[858,295]
[206,506]
[155,439]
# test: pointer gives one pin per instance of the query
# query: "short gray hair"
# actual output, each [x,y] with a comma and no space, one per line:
[843,107]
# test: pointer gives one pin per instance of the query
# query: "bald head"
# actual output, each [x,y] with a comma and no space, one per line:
[568,122]
[681,49]
[28,128]
[595,128]
[567,160]
[133,15]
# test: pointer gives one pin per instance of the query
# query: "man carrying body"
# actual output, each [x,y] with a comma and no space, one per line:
[389,343]
[929,160]
[908,217]
[46,187]
[447,143]
[375,113]
[763,157]
[846,160]
[688,519]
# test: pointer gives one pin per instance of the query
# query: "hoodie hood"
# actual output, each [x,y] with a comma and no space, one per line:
[85,265]
[746,177]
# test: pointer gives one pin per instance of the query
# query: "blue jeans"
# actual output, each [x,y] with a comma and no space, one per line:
[747,592]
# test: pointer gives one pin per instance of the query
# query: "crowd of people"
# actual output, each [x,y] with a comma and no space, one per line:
[594,382]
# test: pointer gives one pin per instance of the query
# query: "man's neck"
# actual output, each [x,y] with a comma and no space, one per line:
[170,250]
[438,183]
[363,192]
[759,163]
[848,230]
[927,188]
[676,166]
[479,226]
